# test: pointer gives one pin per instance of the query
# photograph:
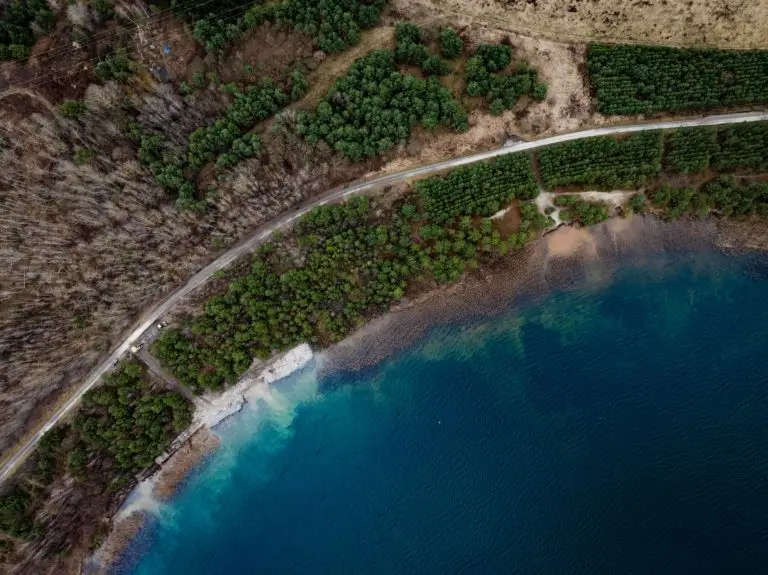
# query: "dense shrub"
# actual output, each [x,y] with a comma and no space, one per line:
[479,189]
[252,105]
[373,108]
[742,146]
[72,109]
[409,50]
[689,149]
[643,79]
[574,209]
[451,44]
[501,91]
[603,162]
[125,419]
[407,32]
[674,201]
[116,67]
[16,26]
[334,25]
[16,518]
[726,196]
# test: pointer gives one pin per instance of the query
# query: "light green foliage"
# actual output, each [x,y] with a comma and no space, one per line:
[578,210]
[479,189]
[603,162]
[373,108]
[299,85]
[83,156]
[451,44]
[125,419]
[689,149]
[72,109]
[501,91]
[642,79]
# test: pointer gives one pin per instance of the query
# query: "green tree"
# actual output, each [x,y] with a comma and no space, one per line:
[451,44]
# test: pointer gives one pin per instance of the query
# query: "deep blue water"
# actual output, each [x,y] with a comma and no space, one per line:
[612,428]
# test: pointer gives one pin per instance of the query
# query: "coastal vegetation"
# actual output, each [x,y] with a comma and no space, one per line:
[725,196]
[118,430]
[346,264]
[629,79]
[575,209]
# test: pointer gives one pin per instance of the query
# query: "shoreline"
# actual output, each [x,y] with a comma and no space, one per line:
[554,261]
[188,450]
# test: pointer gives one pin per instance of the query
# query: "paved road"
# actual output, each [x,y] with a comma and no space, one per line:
[249,244]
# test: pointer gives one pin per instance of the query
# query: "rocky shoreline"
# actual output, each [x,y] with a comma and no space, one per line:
[198,441]
[553,262]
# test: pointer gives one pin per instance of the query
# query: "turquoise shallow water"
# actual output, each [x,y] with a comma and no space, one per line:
[613,428]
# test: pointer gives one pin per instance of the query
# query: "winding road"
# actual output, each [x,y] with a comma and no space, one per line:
[250,243]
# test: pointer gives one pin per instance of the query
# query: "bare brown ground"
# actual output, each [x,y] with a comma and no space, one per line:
[566,242]
[268,49]
[716,23]
[202,443]
[335,65]
[568,106]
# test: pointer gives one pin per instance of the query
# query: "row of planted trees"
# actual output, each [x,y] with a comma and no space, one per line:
[643,79]
[636,160]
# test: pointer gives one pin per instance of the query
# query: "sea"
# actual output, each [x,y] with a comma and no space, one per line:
[617,426]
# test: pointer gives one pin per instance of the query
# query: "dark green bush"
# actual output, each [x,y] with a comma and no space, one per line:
[451,44]
[643,79]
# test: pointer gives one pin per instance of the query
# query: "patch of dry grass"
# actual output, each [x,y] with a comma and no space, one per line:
[715,23]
